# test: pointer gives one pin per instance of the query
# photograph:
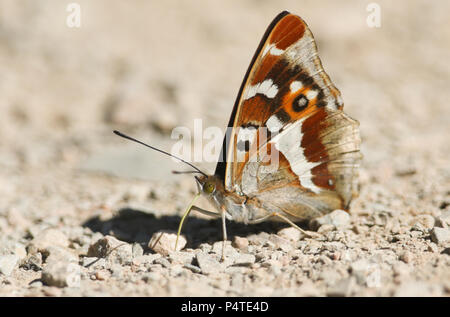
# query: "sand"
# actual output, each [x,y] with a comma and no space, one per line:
[68,185]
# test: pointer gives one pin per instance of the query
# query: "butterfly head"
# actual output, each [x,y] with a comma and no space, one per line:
[208,185]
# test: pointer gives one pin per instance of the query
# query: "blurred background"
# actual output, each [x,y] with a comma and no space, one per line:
[145,67]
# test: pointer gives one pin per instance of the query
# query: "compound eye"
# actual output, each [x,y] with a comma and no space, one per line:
[208,188]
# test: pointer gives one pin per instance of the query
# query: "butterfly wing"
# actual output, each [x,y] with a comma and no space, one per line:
[288,94]
[315,166]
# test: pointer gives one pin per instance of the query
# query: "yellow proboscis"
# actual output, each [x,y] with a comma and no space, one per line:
[186,213]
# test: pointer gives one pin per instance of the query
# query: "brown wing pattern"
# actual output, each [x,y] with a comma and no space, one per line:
[310,182]
[287,92]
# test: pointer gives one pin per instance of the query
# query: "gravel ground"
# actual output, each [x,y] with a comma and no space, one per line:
[79,206]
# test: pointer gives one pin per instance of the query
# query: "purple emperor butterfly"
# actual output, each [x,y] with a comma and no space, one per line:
[315,146]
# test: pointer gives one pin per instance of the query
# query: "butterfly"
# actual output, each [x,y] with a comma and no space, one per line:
[287,110]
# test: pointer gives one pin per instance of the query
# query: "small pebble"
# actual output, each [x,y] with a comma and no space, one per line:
[244,260]
[163,261]
[433,247]
[32,262]
[49,238]
[326,228]
[8,263]
[406,256]
[358,229]
[163,242]
[147,259]
[240,243]
[335,256]
[281,243]
[107,246]
[443,220]
[426,221]
[102,247]
[137,250]
[258,239]
[101,275]
[440,236]
[59,254]
[61,274]
[205,247]
[290,233]
[15,248]
[36,284]
[181,257]
[228,251]
[193,268]
[208,264]
[338,218]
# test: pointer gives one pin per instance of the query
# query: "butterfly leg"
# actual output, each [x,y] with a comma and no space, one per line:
[306,233]
[276,214]
[224,230]
[205,212]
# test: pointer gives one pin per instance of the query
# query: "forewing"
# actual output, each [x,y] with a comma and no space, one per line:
[288,97]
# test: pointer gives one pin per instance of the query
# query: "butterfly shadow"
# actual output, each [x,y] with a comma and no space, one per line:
[136,226]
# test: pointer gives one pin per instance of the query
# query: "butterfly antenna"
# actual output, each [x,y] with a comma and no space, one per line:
[160,151]
[184,172]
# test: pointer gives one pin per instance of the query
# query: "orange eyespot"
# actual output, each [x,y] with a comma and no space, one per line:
[208,188]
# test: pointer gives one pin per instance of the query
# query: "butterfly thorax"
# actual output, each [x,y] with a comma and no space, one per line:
[237,207]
